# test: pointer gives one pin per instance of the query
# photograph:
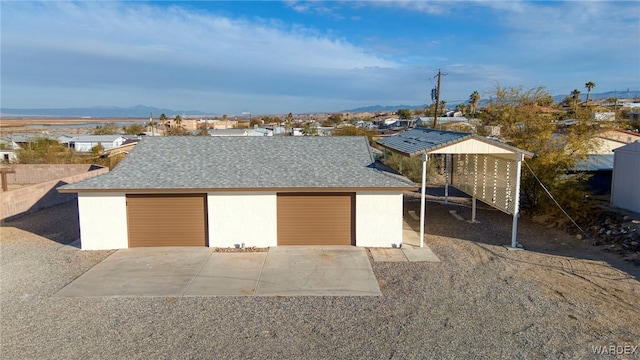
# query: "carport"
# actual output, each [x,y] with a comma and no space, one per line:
[484,169]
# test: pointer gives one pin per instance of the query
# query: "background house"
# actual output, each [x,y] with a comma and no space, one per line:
[85,143]
[243,191]
[8,150]
[599,163]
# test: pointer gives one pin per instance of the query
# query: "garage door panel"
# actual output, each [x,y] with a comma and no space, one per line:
[316,219]
[166,220]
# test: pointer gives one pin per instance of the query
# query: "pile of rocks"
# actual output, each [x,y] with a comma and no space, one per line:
[617,233]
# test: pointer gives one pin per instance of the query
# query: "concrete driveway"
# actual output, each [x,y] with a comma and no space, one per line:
[183,271]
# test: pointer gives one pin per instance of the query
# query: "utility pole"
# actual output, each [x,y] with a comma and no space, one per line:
[151,123]
[435,115]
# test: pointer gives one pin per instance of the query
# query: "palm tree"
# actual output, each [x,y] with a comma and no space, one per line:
[178,120]
[613,100]
[590,85]
[163,119]
[575,97]
[462,108]
[474,99]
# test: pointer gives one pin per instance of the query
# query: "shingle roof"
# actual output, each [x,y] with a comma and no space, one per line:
[246,163]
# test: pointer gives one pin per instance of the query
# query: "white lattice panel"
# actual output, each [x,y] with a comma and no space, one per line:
[489,178]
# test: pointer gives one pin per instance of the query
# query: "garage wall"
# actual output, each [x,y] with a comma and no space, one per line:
[103,221]
[236,218]
[378,219]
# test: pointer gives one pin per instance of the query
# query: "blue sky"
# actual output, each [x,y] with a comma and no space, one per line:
[307,56]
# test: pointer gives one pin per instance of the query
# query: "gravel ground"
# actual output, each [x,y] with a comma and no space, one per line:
[558,299]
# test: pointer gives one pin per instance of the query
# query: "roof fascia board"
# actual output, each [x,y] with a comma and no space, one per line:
[197,190]
[472,146]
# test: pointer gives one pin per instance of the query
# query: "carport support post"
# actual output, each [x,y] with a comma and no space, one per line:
[446,178]
[422,198]
[516,205]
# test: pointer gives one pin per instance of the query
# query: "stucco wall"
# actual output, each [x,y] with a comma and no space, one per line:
[379,219]
[237,218]
[103,221]
[44,194]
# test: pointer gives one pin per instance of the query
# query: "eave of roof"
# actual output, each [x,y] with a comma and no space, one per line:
[237,190]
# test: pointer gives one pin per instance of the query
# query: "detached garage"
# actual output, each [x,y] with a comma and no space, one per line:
[242,191]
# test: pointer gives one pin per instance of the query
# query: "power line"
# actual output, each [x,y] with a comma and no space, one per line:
[554,200]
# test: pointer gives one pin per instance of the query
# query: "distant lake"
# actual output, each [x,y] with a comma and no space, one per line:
[82,126]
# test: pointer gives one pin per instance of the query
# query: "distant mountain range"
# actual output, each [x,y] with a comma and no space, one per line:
[138,111]
[142,111]
[629,94]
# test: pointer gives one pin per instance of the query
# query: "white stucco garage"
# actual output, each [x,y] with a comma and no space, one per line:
[243,191]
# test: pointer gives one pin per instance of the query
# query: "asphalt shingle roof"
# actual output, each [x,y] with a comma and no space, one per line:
[246,163]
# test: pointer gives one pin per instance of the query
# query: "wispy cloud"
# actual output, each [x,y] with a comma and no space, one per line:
[113,44]
[307,55]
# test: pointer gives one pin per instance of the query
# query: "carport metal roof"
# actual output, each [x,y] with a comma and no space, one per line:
[424,141]
[429,141]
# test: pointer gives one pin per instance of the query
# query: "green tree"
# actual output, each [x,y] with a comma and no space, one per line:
[255,121]
[46,151]
[529,128]
[474,100]
[575,97]
[289,119]
[419,112]
[411,167]
[107,129]
[443,106]
[356,131]
[133,129]
[335,119]
[203,129]
[178,120]
[97,150]
[589,85]
[164,120]
[404,114]
[153,126]
[310,129]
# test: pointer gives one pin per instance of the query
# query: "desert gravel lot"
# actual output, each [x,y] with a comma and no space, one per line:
[559,299]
